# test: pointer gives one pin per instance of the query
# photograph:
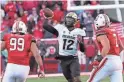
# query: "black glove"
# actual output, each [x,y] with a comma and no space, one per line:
[98,58]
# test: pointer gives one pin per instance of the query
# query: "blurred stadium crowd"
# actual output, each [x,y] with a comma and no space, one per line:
[30,12]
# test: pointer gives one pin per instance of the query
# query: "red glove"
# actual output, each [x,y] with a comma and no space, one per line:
[97,60]
[95,63]
[41,72]
[41,68]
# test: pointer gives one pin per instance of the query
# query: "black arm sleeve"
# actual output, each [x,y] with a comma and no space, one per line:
[81,45]
[49,27]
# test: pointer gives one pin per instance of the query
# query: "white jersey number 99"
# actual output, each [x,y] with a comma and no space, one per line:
[17,44]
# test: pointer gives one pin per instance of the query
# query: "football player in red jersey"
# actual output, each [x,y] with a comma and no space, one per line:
[108,62]
[19,44]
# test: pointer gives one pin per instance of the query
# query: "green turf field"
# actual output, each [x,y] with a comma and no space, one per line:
[61,79]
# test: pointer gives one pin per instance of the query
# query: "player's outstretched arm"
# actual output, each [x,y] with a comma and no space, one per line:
[38,59]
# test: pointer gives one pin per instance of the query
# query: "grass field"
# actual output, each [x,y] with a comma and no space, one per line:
[60,79]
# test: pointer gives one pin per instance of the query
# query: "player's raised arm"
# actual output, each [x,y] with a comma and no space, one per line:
[105,43]
[38,59]
[49,27]
[49,14]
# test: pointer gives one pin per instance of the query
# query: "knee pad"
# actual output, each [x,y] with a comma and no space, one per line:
[77,79]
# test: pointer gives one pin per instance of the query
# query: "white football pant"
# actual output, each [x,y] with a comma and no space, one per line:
[16,73]
[110,66]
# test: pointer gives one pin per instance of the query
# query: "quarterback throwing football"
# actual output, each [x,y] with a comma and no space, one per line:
[68,39]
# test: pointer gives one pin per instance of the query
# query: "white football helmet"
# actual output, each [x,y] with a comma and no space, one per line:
[102,20]
[20,27]
[73,15]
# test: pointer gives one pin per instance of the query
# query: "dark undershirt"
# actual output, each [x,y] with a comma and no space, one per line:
[50,28]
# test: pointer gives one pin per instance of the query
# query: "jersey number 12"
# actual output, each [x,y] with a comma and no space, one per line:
[68,43]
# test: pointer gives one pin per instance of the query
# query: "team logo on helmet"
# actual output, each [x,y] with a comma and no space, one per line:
[70,19]
[73,15]
[102,20]
[20,27]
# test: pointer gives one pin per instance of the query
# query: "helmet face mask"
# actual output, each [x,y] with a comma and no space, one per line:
[70,19]
[19,27]
[102,20]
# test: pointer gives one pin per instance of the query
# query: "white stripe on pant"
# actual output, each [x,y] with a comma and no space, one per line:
[110,66]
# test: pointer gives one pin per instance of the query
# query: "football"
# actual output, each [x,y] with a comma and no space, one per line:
[48,13]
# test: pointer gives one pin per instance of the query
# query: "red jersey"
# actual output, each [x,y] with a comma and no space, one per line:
[113,40]
[18,47]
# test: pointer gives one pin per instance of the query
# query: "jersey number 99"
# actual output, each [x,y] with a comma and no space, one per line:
[17,44]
